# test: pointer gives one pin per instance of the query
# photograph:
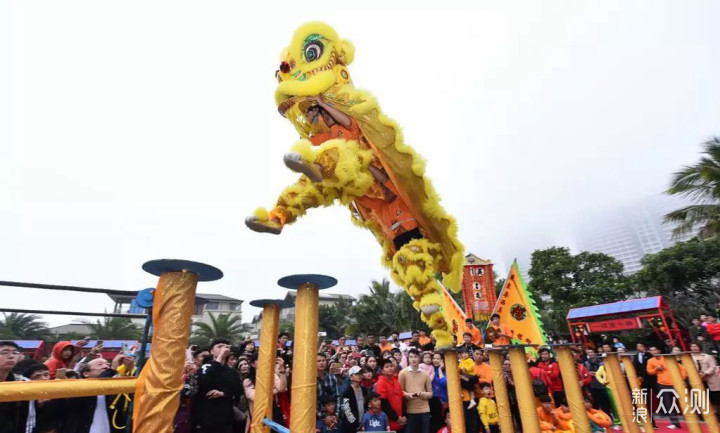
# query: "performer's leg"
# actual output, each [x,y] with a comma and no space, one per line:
[415,267]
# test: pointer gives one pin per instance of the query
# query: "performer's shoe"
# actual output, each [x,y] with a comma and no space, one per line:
[296,163]
[255,224]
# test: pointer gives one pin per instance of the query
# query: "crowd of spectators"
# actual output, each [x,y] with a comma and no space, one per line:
[371,383]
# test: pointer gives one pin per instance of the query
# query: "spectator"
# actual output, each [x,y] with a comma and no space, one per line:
[502,332]
[417,391]
[599,420]
[391,396]
[373,364]
[468,380]
[713,330]
[448,425]
[94,414]
[563,414]
[656,367]
[696,329]
[487,409]
[598,390]
[427,364]
[375,419]
[708,369]
[468,345]
[359,342]
[371,348]
[327,383]
[400,358]
[552,369]
[341,344]
[369,379]
[617,344]
[439,402]
[218,388]
[62,354]
[647,383]
[475,334]
[415,342]
[13,415]
[385,346]
[48,413]
[483,371]
[423,338]
[328,421]
[430,346]
[352,403]
[397,343]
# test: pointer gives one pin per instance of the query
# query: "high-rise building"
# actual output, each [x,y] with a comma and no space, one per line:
[630,232]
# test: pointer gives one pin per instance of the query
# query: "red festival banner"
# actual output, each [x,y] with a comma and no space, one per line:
[614,325]
[478,288]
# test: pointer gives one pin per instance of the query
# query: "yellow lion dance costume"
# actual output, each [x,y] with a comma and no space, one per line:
[350,152]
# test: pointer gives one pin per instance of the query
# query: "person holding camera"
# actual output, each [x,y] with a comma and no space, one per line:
[218,388]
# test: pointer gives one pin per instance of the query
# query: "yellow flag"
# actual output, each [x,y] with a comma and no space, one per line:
[517,310]
[454,315]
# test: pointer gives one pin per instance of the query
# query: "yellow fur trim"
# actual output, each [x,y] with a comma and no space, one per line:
[262,214]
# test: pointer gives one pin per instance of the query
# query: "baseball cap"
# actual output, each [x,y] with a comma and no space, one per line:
[355,370]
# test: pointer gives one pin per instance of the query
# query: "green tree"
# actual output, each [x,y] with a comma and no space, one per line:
[115,328]
[334,319]
[687,275]
[221,326]
[383,311]
[20,326]
[700,183]
[567,281]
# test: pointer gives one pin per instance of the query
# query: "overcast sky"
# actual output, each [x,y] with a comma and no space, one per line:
[140,130]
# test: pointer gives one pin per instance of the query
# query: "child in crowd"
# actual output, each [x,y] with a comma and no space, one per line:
[487,409]
[447,428]
[374,419]
[467,369]
[328,423]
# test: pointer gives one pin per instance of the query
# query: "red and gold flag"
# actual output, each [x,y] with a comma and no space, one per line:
[517,310]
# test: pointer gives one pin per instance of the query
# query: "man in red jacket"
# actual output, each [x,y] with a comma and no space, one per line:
[551,367]
[391,395]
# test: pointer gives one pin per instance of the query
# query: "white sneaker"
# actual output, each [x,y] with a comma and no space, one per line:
[672,427]
[617,427]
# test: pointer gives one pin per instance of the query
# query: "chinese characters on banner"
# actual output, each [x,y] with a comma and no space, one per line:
[478,288]
[615,325]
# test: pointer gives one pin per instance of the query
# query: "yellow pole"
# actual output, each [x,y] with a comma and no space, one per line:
[52,389]
[573,392]
[639,399]
[621,393]
[303,399]
[265,375]
[524,390]
[691,418]
[452,371]
[501,392]
[696,382]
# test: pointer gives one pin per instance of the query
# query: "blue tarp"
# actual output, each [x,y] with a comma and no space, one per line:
[28,344]
[629,306]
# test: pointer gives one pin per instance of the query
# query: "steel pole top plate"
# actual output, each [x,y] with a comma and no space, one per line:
[294,282]
[163,266]
[279,302]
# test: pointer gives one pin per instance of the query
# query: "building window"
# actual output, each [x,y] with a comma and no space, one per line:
[213,306]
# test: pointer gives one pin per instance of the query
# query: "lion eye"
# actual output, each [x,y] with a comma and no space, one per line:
[313,51]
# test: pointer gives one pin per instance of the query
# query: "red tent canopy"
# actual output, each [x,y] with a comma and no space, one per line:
[625,315]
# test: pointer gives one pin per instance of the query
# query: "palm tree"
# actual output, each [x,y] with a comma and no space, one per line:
[383,311]
[701,183]
[222,326]
[115,328]
[20,326]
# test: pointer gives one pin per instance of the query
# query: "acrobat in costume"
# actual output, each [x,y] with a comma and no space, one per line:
[351,153]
